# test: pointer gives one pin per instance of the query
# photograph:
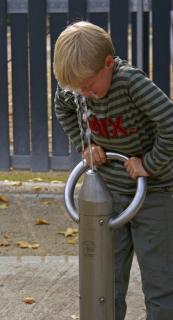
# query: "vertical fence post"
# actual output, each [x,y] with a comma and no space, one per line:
[146,40]
[19,42]
[98,13]
[161,43]
[119,26]
[4,127]
[134,37]
[60,143]
[38,85]
[140,20]
[77,10]
[140,34]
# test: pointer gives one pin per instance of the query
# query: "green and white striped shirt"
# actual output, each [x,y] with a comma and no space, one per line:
[135,118]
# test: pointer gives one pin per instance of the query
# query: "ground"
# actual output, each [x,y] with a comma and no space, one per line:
[57,280]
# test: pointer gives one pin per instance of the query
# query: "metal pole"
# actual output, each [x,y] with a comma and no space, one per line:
[96,265]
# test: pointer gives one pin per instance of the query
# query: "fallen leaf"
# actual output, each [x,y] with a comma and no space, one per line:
[35,246]
[72,241]
[3,205]
[23,244]
[37,179]
[27,245]
[37,189]
[4,243]
[56,181]
[6,236]
[3,199]
[46,202]
[16,184]
[69,232]
[41,221]
[74,317]
[29,300]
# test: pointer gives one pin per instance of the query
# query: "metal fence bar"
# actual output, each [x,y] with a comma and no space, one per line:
[38,85]
[161,39]
[146,39]
[19,43]
[140,34]
[134,37]
[60,144]
[117,24]
[101,19]
[4,127]
[77,10]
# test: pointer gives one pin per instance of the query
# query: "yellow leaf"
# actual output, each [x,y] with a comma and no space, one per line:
[41,221]
[3,199]
[45,202]
[6,236]
[37,189]
[35,246]
[70,232]
[72,241]
[27,245]
[56,181]
[29,300]
[74,317]
[23,244]
[37,179]
[3,205]
[4,243]
[16,183]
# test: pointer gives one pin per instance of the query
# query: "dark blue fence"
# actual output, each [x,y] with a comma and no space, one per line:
[30,137]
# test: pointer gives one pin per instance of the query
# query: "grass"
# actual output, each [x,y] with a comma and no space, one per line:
[22,175]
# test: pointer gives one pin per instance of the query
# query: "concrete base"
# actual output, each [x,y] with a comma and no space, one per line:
[52,282]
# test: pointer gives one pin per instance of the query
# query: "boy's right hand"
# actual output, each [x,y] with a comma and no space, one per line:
[98,155]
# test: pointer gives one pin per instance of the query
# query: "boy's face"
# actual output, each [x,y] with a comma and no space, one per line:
[97,86]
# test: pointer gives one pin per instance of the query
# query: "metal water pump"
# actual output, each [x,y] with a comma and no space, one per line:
[96,225]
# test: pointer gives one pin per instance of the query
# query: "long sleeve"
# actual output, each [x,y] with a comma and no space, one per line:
[65,110]
[159,110]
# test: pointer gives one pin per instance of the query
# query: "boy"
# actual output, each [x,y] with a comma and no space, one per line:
[128,114]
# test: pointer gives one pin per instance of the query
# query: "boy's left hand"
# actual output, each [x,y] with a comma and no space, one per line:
[134,168]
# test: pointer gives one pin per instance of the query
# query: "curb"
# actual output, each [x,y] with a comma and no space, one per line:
[33,187]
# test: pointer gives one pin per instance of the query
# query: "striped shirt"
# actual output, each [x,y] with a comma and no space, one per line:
[135,118]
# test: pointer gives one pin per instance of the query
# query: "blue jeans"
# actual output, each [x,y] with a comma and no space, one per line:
[150,236]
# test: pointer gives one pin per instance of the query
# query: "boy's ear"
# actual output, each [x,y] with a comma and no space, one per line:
[109,61]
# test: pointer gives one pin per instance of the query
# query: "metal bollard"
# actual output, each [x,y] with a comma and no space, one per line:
[96,224]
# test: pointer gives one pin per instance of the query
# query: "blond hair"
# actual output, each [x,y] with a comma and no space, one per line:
[80,52]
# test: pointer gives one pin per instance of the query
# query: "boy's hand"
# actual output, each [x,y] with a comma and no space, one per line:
[135,168]
[98,154]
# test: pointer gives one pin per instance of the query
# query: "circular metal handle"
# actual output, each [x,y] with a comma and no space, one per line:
[126,215]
